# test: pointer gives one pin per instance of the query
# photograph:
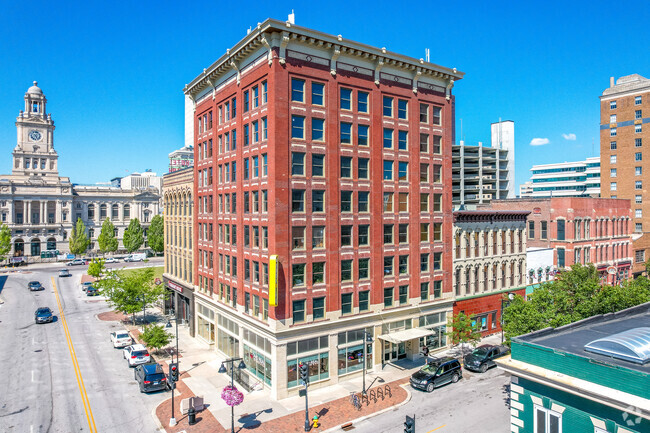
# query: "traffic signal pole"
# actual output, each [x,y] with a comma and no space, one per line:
[304,376]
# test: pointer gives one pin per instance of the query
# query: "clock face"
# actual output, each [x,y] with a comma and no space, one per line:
[35,135]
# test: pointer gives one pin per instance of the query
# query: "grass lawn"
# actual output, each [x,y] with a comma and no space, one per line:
[157,271]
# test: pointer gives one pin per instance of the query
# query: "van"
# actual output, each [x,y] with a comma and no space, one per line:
[137,257]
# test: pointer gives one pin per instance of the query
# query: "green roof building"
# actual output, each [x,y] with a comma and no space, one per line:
[589,376]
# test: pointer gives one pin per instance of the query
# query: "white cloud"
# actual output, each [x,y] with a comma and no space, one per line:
[539,141]
[571,136]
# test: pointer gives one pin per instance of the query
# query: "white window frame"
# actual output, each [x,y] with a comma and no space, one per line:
[638,128]
[548,413]
[612,132]
[612,118]
[638,213]
[612,172]
[612,105]
[612,186]
[637,100]
[612,159]
[638,199]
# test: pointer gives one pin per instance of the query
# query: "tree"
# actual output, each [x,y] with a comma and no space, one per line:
[96,268]
[107,241]
[155,234]
[461,330]
[5,241]
[155,337]
[78,238]
[133,236]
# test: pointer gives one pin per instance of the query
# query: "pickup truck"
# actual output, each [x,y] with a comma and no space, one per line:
[483,357]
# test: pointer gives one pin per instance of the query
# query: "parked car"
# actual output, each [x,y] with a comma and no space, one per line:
[111,260]
[136,354]
[436,373]
[64,273]
[43,315]
[150,377]
[92,291]
[483,357]
[85,285]
[121,339]
[137,257]
[76,262]
[35,286]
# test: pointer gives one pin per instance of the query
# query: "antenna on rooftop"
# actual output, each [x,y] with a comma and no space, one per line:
[248,32]
[427,52]
[292,17]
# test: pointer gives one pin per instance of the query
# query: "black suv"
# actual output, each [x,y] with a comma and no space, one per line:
[436,373]
[150,377]
[35,286]
[43,315]
[483,357]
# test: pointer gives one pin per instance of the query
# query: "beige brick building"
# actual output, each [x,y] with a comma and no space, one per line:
[625,165]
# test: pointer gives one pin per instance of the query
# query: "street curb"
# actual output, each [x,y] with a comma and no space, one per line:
[406,387]
[161,428]
[2,301]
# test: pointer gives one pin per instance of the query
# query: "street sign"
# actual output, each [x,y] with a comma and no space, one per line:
[301,392]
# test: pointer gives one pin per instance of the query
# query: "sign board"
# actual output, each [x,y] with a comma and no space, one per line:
[175,286]
[302,392]
[273,280]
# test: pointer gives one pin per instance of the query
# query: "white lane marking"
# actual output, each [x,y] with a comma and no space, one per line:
[33,341]
[31,428]
[33,376]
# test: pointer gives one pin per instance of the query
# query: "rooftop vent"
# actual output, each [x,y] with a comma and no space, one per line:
[632,345]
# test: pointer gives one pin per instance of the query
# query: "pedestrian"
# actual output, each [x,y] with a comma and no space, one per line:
[425,352]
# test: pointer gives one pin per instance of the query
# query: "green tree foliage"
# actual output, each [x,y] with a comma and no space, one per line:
[107,241]
[460,330]
[574,295]
[5,241]
[155,337]
[155,234]
[96,268]
[78,238]
[133,236]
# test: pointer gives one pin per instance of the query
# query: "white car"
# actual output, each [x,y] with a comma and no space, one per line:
[121,339]
[111,260]
[136,354]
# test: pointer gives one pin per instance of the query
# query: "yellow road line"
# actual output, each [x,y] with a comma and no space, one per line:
[437,428]
[75,364]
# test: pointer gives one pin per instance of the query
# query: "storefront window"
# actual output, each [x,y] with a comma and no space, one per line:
[257,364]
[351,358]
[318,368]
[205,329]
[228,344]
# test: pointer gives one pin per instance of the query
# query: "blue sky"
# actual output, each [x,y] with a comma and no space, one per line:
[114,72]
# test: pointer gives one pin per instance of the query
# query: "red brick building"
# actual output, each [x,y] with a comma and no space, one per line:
[580,230]
[330,154]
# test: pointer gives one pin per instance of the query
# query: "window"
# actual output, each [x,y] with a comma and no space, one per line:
[298,274]
[297,164]
[363,201]
[317,129]
[638,213]
[437,232]
[388,170]
[638,156]
[362,102]
[437,202]
[403,202]
[318,274]
[531,229]
[638,129]
[437,173]
[560,257]
[246,101]
[637,101]
[388,202]
[612,159]
[362,135]
[424,113]
[638,184]
[402,170]
[638,227]
[424,262]
[388,138]
[364,298]
[424,173]
[297,236]
[318,308]
[424,232]
[424,142]
[424,291]
[544,229]
[612,105]
[364,272]
[638,115]
[612,132]
[298,311]
[403,295]
[402,140]
[388,266]
[388,233]
[346,133]
[318,237]
[297,127]
[612,145]
[547,421]
[639,256]
[346,303]
[297,90]
[560,230]
[612,172]
[362,168]
[346,99]
[638,199]
[346,167]
[402,109]
[388,106]
[346,270]
[638,142]
[318,201]
[388,297]
[612,118]
[424,202]
[436,115]
[297,200]
[364,230]
[402,233]
[638,171]
[265,93]
[317,93]
[346,236]
[317,165]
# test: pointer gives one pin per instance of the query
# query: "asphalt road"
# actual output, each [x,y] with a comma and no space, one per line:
[41,389]
[477,403]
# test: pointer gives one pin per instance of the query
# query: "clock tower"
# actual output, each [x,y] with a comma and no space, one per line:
[34,155]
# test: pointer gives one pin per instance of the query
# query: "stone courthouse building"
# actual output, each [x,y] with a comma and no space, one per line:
[40,206]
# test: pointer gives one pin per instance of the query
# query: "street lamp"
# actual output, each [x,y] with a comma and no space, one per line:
[222,370]
[510,297]
[172,420]
[367,338]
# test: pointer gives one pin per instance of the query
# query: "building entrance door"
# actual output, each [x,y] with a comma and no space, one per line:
[393,352]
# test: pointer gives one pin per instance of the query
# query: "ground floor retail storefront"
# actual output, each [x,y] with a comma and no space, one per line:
[331,352]
[180,302]
[485,309]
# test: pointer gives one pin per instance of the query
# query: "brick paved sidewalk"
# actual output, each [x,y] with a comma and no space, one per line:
[331,414]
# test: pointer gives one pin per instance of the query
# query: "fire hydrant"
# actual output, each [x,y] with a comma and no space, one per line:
[316,425]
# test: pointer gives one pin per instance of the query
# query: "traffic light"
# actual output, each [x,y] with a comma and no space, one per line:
[304,373]
[409,424]
[173,371]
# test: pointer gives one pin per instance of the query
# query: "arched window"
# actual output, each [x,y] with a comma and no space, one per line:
[126,212]
[102,211]
[36,247]
[51,244]
[115,212]
[91,211]
[19,247]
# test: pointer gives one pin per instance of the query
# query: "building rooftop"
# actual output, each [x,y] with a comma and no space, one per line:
[628,83]
[572,338]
